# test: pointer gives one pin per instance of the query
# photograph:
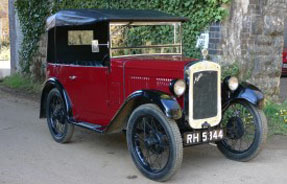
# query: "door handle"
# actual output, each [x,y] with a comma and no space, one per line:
[72,77]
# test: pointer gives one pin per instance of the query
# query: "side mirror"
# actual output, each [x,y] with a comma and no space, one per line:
[95,46]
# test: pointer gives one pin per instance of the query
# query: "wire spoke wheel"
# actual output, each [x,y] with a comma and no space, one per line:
[154,142]
[151,143]
[240,128]
[57,116]
[60,129]
[245,128]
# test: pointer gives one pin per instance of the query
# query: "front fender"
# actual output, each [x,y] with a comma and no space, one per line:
[165,102]
[246,92]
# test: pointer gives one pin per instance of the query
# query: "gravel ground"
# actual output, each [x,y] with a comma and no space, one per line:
[28,155]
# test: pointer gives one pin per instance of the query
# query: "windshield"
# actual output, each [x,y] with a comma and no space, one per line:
[145,38]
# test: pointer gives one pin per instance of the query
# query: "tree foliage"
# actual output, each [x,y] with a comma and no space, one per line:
[33,14]
[4,23]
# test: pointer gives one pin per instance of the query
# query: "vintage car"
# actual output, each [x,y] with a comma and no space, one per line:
[114,71]
[284,54]
[284,62]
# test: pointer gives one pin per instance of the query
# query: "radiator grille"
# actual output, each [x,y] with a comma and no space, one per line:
[205,94]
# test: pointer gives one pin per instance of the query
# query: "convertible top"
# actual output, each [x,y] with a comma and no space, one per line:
[92,16]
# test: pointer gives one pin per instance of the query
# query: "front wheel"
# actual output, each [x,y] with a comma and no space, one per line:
[154,142]
[245,131]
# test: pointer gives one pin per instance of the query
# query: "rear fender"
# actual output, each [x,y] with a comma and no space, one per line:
[165,102]
[50,84]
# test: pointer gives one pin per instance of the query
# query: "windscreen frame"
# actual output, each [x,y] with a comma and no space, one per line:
[180,37]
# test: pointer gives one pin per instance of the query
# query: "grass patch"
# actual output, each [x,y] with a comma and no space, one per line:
[277,118]
[20,82]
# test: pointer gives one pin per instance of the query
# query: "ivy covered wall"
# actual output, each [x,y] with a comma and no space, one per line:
[33,13]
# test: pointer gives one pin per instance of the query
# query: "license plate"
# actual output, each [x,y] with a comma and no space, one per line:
[285,65]
[203,136]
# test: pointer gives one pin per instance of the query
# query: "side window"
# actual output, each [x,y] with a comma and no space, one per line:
[80,37]
[74,46]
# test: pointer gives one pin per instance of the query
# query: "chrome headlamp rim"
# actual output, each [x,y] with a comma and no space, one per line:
[178,87]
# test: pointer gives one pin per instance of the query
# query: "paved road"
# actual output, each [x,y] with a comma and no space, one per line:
[28,155]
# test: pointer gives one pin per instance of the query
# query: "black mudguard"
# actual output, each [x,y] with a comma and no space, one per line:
[246,92]
[50,84]
[165,102]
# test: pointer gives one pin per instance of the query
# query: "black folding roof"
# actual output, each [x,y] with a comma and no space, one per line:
[92,16]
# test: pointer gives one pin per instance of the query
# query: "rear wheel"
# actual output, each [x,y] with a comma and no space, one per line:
[154,142]
[245,131]
[60,129]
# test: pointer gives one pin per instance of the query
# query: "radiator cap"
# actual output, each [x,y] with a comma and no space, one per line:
[204,53]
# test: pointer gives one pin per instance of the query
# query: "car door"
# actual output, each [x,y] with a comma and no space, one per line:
[88,87]
[82,72]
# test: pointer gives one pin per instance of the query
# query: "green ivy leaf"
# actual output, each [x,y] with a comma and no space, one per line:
[33,15]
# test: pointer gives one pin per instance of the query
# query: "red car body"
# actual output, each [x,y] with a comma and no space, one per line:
[284,60]
[112,85]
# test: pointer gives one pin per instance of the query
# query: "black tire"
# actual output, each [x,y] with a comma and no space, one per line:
[239,128]
[60,129]
[161,135]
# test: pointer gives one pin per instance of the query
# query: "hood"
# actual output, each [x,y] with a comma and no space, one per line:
[151,72]
[155,62]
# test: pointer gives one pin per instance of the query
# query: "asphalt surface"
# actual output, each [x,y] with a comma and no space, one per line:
[28,155]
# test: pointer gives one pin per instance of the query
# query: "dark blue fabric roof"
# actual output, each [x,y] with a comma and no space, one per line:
[92,16]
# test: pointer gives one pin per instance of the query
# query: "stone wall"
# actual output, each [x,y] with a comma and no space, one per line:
[16,36]
[252,36]
[37,67]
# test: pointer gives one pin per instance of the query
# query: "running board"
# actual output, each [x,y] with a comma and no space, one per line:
[90,126]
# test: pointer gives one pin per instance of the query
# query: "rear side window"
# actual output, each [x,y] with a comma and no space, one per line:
[80,37]
[73,45]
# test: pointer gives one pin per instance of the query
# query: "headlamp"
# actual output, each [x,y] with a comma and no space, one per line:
[178,87]
[233,83]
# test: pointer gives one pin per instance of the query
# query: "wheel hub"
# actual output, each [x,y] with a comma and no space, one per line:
[235,128]
[150,141]
[59,114]
[154,144]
